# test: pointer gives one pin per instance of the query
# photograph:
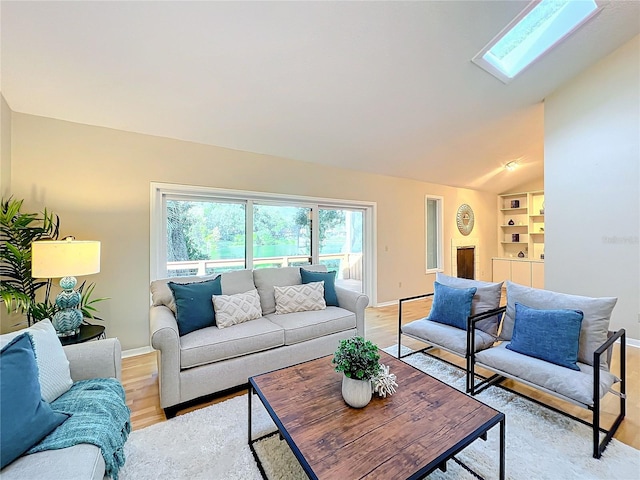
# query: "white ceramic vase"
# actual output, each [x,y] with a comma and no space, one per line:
[356,393]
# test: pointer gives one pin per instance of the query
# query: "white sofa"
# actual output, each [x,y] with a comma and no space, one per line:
[99,359]
[211,360]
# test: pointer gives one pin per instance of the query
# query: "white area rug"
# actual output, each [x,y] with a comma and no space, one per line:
[211,443]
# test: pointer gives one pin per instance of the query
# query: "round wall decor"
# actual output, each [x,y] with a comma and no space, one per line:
[465,219]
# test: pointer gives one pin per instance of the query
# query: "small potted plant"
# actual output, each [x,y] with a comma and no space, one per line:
[357,359]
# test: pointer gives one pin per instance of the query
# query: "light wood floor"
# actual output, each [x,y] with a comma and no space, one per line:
[140,377]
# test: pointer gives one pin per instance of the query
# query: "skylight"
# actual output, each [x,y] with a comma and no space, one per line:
[541,26]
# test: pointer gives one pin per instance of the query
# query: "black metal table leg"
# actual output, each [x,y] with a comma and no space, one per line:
[502,449]
[250,395]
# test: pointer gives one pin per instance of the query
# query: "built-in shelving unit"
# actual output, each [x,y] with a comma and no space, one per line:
[521,238]
[521,220]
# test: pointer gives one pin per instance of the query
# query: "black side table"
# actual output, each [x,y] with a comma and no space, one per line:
[87,332]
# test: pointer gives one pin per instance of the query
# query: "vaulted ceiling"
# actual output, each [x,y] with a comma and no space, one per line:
[385,87]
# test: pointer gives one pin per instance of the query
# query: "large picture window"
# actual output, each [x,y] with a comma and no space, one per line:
[203,231]
[434,233]
[202,235]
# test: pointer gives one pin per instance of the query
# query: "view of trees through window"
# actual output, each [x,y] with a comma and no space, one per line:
[281,231]
[204,237]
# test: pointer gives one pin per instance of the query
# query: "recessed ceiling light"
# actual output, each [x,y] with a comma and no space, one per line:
[538,28]
[511,166]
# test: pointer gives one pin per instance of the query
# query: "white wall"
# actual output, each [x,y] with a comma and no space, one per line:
[592,178]
[530,186]
[5,148]
[98,181]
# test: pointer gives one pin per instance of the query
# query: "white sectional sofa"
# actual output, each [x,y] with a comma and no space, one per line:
[210,360]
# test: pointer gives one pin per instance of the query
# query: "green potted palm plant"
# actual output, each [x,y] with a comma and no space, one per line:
[19,291]
[18,230]
[358,360]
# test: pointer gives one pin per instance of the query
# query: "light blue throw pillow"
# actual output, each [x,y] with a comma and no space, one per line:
[194,304]
[25,418]
[487,297]
[551,335]
[451,306]
[329,278]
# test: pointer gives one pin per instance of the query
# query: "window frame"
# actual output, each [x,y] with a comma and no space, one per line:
[158,232]
[440,233]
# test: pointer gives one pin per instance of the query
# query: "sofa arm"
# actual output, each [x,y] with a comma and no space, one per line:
[355,302]
[99,359]
[166,339]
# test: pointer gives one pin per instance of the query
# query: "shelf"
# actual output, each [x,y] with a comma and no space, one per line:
[527,222]
[514,195]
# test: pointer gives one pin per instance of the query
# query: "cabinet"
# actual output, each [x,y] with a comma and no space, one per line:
[501,270]
[522,271]
[521,225]
[537,274]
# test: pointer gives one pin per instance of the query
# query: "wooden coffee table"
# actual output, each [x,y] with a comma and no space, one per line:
[408,435]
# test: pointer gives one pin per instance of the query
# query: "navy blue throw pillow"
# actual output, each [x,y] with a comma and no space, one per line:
[451,306]
[329,278]
[25,418]
[194,304]
[551,335]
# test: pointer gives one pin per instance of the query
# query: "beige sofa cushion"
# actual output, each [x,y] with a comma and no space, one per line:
[212,344]
[266,278]
[451,338]
[80,462]
[487,297]
[595,323]
[576,385]
[232,282]
[237,281]
[301,326]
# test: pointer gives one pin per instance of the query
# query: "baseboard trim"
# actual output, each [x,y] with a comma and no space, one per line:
[134,352]
[386,304]
[632,342]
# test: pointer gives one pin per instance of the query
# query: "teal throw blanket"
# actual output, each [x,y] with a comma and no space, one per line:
[99,416]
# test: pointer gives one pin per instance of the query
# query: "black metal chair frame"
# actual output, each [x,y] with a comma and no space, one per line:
[470,321]
[496,379]
[598,446]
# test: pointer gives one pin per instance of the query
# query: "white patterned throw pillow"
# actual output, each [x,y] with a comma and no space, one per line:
[300,298]
[238,308]
[53,367]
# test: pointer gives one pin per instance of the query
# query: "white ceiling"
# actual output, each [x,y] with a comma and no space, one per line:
[385,87]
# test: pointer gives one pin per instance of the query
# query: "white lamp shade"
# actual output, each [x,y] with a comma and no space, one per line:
[65,258]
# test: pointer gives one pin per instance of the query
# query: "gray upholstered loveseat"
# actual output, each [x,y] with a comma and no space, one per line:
[539,321]
[211,359]
[550,341]
[99,359]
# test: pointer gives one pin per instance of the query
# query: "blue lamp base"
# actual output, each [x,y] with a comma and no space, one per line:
[67,320]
